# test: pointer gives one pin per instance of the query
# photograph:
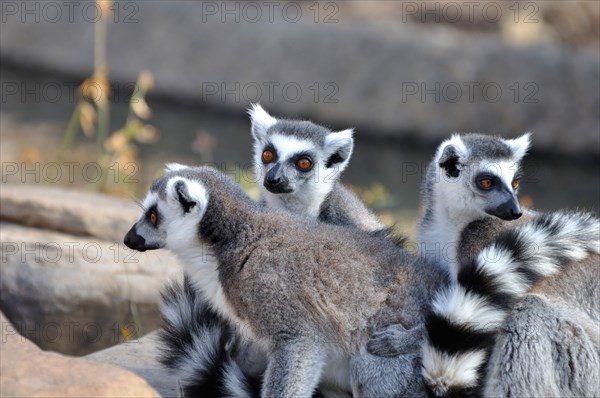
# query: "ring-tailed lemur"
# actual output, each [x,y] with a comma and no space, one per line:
[473,180]
[302,164]
[311,293]
[312,191]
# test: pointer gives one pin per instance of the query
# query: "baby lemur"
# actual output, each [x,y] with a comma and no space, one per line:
[309,293]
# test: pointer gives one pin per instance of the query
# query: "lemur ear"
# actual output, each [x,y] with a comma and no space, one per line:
[519,146]
[261,121]
[190,195]
[183,196]
[338,148]
[449,155]
[175,167]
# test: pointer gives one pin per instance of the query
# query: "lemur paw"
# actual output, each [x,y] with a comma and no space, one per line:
[395,340]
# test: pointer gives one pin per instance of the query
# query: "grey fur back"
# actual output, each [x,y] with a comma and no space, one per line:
[544,351]
[343,207]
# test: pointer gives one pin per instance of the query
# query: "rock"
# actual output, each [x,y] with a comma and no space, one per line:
[28,371]
[77,295]
[399,80]
[70,211]
[140,356]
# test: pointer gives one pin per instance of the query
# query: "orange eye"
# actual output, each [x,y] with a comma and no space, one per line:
[515,184]
[153,218]
[486,183]
[304,163]
[268,156]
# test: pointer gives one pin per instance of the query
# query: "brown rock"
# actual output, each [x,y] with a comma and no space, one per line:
[77,295]
[28,371]
[141,357]
[74,212]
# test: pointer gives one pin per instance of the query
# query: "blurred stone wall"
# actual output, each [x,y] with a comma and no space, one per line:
[343,65]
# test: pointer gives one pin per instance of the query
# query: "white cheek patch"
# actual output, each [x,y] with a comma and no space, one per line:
[505,169]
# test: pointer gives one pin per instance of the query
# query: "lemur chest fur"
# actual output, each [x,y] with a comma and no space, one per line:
[299,204]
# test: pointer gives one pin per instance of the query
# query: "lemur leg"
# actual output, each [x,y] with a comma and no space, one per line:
[387,377]
[251,357]
[395,340]
[294,370]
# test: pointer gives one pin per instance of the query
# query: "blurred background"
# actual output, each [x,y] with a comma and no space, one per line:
[97,96]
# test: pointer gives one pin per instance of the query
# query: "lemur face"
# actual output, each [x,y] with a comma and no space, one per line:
[478,176]
[172,211]
[297,157]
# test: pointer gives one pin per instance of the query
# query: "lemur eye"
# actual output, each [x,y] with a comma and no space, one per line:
[515,184]
[268,156]
[485,183]
[304,163]
[153,218]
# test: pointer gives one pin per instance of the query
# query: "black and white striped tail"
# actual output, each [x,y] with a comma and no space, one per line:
[465,318]
[195,345]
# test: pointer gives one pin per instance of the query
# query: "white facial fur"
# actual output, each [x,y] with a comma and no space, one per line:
[455,195]
[288,146]
[505,169]
[309,190]
[303,201]
[457,202]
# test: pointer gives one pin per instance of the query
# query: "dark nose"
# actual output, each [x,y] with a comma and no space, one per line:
[509,210]
[276,182]
[513,210]
[134,241]
[272,179]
